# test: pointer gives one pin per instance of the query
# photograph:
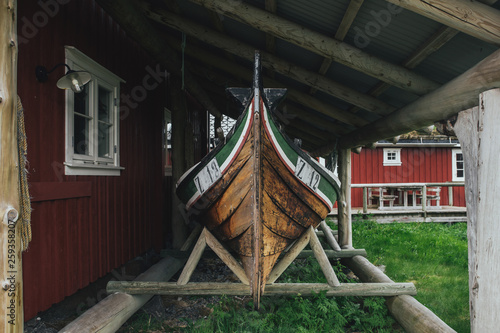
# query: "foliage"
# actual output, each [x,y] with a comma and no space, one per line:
[317,313]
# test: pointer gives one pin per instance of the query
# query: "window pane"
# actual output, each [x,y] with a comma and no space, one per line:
[460,157]
[81,101]
[104,148]
[460,173]
[81,135]
[104,104]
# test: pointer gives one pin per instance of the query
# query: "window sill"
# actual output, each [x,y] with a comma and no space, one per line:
[71,169]
[392,163]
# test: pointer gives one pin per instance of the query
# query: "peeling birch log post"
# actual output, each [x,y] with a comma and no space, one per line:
[344,200]
[409,313]
[478,130]
[11,300]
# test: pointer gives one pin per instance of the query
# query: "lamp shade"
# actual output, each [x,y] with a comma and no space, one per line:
[74,80]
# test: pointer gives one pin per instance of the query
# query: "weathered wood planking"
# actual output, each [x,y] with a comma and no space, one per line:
[478,130]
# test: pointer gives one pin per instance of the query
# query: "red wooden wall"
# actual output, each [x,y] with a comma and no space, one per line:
[419,165]
[83,227]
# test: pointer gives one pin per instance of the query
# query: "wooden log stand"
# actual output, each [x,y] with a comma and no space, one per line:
[333,287]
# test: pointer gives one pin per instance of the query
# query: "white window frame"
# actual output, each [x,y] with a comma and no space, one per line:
[392,162]
[454,176]
[92,164]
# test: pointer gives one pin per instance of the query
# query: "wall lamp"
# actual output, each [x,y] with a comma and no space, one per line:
[74,80]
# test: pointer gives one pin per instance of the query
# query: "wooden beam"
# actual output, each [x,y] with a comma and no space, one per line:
[269,61]
[331,254]
[329,236]
[322,259]
[344,201]
[457,95]
[125,13]
[289,257]
[478,130]
[271,6]
[239,289]
[408,312]
[470,17]
[434,43]
[11,274]
[294,95]
[345,25]
[321,44]
[226,257]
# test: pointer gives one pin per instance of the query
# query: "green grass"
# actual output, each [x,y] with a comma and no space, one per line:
[433,256]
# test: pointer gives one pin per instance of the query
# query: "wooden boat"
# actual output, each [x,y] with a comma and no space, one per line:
[258,192]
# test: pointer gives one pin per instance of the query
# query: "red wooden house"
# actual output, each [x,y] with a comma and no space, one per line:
[96,159]
[420,159]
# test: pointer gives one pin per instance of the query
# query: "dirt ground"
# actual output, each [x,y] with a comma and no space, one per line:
[172,311]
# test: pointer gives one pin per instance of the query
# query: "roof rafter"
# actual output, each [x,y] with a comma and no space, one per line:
[246,74]
[269,61]
[459,94]
[323,45]
[471,17]
[139,28]
[345,24]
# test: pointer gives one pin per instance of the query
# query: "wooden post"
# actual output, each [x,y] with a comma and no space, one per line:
[450,196]
[179,222]
[478,130]
[424,198]
[365,200]
[11,295]
[344,201]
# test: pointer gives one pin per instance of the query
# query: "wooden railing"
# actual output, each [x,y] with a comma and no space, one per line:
[421,186]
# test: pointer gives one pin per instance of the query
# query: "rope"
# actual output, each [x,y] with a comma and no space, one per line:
[22,145]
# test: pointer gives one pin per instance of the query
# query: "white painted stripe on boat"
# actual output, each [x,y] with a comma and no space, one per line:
[240,141]
[289,163]
[282,154]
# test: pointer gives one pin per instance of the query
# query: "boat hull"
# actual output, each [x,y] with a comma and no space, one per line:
[258,192]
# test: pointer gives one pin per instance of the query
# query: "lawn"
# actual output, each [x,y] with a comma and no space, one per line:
[433,256]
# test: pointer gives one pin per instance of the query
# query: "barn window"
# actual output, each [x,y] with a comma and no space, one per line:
[392,156]
[92,120]
[457,165]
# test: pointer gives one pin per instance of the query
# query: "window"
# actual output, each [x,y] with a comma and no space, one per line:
[457,165]
[92,120]
[392,156]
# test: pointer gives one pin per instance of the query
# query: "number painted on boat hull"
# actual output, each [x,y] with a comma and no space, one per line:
[207,176]
[306,173]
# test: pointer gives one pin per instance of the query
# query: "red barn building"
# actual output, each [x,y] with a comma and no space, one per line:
[423,159]
[96,159]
